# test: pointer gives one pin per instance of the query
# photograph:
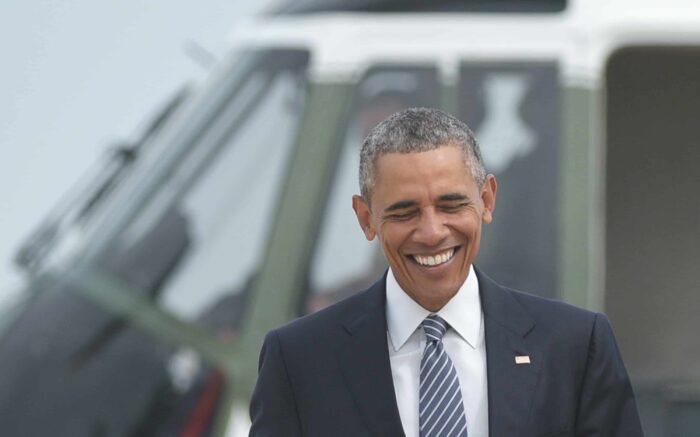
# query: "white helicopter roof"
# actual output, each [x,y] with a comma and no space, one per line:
[580,38]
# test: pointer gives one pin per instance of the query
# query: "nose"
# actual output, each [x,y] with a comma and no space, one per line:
[431,229]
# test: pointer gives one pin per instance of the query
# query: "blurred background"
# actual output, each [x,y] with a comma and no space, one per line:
[176,181]
[79,77]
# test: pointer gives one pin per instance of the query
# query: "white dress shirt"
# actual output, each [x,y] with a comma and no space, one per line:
[464,343]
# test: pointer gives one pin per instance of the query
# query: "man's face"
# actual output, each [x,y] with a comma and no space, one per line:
[427,211]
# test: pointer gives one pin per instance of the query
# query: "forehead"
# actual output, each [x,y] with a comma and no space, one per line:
[443,168]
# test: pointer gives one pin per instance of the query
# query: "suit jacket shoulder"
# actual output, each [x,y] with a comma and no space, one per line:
[571,322]
[324,325]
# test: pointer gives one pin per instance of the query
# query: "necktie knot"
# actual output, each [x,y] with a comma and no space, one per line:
[434,327]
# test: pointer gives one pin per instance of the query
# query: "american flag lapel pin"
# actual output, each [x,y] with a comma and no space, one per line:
[522,359]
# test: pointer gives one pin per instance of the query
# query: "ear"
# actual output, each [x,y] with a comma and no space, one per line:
[364,216]
[488,198]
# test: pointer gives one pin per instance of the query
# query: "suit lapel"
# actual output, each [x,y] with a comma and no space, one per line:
[511,386]
[364,359]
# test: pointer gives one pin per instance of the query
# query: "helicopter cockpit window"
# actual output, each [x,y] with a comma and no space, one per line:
[198,242]
[343,261]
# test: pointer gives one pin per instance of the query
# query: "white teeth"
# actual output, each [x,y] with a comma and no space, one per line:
[434,260]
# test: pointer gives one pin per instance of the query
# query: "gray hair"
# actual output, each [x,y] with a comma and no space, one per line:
[417,130]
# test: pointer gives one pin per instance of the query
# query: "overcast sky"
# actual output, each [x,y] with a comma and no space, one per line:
[76,77]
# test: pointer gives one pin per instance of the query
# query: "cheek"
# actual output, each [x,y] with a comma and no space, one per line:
[392,237]
[473,234]
[469,226]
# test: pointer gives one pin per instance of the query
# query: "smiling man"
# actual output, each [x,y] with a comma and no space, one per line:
[435,347]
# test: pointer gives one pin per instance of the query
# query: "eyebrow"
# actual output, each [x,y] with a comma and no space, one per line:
[452,197]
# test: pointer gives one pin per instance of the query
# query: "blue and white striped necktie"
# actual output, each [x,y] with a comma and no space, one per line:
[441,412]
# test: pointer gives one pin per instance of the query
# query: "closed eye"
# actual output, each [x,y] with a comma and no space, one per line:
[401,216]
[454,207]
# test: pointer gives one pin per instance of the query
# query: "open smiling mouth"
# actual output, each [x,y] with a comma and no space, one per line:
[435,260]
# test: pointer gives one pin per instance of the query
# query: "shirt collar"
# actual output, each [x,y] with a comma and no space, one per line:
[462,312]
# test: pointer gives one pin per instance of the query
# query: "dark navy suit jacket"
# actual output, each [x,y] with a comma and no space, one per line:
[328,374]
